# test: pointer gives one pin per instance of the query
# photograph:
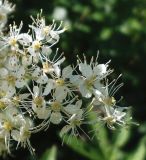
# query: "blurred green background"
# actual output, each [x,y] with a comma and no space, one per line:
[117,28]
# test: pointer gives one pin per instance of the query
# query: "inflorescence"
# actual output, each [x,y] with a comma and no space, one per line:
[35,86]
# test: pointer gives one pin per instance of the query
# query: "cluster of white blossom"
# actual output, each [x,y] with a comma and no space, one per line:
[5,9]
[35,86]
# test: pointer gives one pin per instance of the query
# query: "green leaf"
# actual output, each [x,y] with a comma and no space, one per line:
[115,154]
[122,137]
[83,148]
[100,133]
[140,152]
[50,154]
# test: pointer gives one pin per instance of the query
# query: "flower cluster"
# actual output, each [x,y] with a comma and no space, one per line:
[5,9]
[34,85]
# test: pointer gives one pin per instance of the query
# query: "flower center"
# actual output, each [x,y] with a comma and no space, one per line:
[2,105]
[110,120]
[13,41]
[3,93]
[26,134]
[38,101]
[47,67]
[16,100]
[11,80]
[46,30]
[2,16]
[60,82]
[36,45]
[89,82]
[56,106]
[7,126]
[109,101]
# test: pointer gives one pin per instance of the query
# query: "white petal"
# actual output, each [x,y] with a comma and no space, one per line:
[26,60]
[79,103]
[56,117]
[65,130]
[84,91]
[57,70]
[100,69]
[67,72]
[49,87]
[11,91]
[60,93]
[59,61]
[42,79]
[77,80]
[43,113]
[86,70]
[46,50]
[20,83]
[97,93]
[36,90]
[25,39]
[3,72]
[20,72]
[24,96]
[15,135]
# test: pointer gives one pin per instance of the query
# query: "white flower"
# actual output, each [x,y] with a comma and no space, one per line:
[55,107]
[60,108]
[105,94]
[13,78]
[91,76]
[22,135]
[106,106]
[9,119]
[52,65]
[35,88]
[60,83]
[74,124]
[13,38]
[39,104]
[73,109]
[46,34]
[115,116]
[5,9]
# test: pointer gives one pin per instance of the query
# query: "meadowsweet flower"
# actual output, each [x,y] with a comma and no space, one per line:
[52,65]
[35,90]
[13,78]
[106,105]
[9,120]
[12,39]
[39,104]
[105,94]
[46,34]
[90,77]
[43,37]
[22,135]
[73,124]
[60,83]
[5,9]
[59,108]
